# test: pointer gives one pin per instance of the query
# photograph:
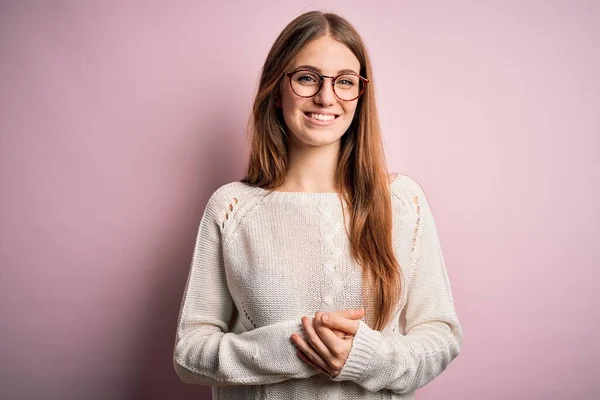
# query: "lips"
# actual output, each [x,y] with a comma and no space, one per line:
[320,122]
[307,113]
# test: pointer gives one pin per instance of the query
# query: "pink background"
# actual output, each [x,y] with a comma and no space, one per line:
[119,119]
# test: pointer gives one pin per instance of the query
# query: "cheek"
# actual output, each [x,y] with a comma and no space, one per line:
[350,113]
[352,109]
[293,106]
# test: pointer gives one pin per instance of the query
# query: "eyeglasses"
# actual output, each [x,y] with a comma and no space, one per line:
[346,86]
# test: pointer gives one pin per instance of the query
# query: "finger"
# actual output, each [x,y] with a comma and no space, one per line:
[309,352]
[337,320]
[317,324]
[314,339]
[309,361]
[352,313]
[337,346]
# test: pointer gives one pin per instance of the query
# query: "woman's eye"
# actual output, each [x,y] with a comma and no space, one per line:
[306,78]
[345,82]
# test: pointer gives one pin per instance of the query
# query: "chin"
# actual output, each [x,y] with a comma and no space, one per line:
[316,140]
[316,136]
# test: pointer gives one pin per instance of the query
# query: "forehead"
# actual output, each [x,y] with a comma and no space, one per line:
[328,55]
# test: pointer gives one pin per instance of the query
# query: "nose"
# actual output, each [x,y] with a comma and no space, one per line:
[326,96]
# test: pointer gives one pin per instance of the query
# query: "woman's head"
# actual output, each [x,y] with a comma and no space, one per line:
[316,112]
[279,123]
[330,44]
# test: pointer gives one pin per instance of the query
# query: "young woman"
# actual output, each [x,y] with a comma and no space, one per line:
[318,275]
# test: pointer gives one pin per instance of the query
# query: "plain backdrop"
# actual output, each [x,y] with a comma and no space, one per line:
[119,119]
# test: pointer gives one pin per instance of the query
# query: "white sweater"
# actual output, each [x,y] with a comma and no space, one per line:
[263,259]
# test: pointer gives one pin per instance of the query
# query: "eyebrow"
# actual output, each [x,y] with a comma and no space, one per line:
[312,67]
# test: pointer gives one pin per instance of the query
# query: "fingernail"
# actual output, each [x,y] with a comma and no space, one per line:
[325,317]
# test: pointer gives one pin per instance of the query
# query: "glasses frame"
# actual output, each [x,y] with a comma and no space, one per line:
[365,81]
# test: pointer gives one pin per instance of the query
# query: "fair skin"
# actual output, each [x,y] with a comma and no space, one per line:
[313,156]
[329,339]
[314,149]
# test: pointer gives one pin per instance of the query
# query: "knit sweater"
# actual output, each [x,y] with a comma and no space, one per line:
[263,259]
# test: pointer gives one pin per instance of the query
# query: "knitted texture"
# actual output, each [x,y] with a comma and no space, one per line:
[263,259]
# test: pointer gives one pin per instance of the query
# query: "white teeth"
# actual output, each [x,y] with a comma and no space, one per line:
[322,117]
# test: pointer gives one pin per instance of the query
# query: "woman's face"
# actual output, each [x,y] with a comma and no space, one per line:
[329,57]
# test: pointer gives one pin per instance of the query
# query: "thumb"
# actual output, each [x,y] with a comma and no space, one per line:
[343,320]
[351,313]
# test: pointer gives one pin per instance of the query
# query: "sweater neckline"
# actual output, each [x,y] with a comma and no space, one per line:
[306,196]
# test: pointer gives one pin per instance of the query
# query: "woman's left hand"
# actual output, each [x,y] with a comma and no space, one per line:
[325,350]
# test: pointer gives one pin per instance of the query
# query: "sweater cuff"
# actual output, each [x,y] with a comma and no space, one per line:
[365,344]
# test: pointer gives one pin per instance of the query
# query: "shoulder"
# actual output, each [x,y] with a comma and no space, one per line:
[408,195]
[404,184]
[227,190]
[230,202]
[230,194]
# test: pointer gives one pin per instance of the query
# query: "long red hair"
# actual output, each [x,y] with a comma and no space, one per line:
[361,171]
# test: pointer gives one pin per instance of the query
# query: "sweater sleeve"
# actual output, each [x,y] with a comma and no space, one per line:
[205,351]
[403,363]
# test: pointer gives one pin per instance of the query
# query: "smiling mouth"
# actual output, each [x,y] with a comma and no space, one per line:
[325,117]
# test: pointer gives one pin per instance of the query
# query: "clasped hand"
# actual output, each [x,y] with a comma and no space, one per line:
[329,339]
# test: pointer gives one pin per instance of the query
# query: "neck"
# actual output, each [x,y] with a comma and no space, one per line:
[312,168]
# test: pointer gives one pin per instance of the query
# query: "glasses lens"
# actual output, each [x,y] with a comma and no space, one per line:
[347,87]
[305,83]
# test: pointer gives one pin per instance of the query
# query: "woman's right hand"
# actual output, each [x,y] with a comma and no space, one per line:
[319,349]
[357,314]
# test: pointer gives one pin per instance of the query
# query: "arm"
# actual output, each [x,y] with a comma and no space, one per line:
[404,363]
[205,352]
